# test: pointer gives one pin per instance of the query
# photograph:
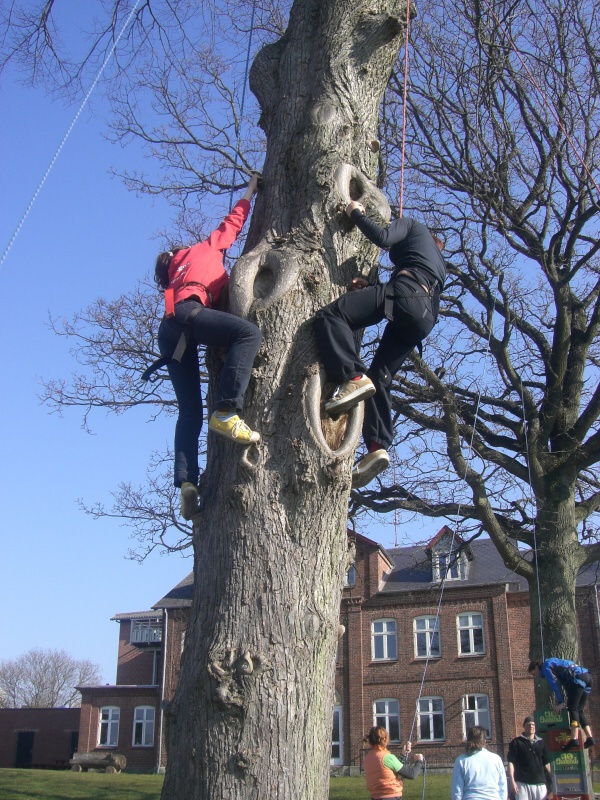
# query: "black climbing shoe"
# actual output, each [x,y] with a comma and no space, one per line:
[572,744]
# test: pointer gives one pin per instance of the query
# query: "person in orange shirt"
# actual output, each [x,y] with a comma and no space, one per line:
[383,771]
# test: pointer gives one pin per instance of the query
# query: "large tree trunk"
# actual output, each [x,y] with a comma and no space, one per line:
[560,558]
[252,714]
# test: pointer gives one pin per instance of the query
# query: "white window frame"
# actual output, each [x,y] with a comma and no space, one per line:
[146,631]
[143,721]
[470,627]
[432,627]
[382,718]
[478,716]
[110,725]
[453,561]
[338,760]
[350,577]
[425,709]
[390,631]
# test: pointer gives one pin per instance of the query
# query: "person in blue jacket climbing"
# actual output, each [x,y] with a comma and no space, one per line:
[572,685]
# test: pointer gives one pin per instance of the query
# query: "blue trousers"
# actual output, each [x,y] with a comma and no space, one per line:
[414,313]
[215,329]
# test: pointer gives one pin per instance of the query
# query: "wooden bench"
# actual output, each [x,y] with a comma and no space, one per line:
[108,762]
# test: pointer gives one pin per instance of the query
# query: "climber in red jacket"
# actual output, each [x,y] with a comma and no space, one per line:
[192,279]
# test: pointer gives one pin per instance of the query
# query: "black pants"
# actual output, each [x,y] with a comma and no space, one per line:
[576,697]
[414,312]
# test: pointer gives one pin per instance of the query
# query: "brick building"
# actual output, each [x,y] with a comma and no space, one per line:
[38,738]
[476,656]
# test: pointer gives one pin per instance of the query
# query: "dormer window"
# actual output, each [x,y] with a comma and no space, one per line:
[146,631]
[450,556]
[450,565]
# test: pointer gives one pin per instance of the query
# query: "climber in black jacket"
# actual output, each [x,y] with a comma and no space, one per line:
[409,301]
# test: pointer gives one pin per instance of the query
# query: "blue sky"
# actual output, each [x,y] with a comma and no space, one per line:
[64,575]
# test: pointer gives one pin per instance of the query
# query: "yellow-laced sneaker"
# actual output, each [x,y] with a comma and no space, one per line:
[189,500]
[233,427]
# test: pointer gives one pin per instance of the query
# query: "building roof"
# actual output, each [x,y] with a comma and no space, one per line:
[180,596]
[135,615]
[371,543]
[410,571]
[413,569]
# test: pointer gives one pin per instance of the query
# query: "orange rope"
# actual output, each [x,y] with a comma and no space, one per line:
[401,199]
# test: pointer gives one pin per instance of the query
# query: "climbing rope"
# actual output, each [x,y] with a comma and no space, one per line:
[66,136]
[239,125]
[454,532]
[405,91]
[535,545]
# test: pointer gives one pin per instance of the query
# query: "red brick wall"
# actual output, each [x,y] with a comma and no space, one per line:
[126,699]
[135,662]
[500,673]
[360,680]
[524,693]
[53,728]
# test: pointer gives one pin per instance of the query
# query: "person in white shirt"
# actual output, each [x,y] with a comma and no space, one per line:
[478,774]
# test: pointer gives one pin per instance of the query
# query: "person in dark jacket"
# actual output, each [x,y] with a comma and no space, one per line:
[529,773]
[410,303]
[571,684]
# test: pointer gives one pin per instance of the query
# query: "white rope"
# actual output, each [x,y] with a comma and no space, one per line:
[535,546]
[239,127]
[66,136]
[449,564]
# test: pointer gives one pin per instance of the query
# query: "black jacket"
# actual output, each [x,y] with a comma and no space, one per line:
[529,760]
[410,243]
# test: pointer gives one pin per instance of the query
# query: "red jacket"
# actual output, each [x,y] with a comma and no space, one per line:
[199,270]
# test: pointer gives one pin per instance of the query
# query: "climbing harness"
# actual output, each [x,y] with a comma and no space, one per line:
[67,134]
[180,348]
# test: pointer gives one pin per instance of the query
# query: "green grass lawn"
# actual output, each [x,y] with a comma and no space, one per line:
[22,784]
[437,788]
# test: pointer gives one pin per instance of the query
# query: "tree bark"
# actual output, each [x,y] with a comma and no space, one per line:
[559,560]
[251,717]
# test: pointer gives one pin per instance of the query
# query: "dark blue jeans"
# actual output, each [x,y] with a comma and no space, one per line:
[215,329]
[414,315]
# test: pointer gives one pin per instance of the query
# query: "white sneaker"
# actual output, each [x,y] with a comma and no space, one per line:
[349,394]
[368,467]
[189,500]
